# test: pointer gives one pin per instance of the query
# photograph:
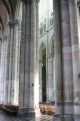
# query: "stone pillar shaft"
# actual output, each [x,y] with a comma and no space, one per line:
[58,56]
[28,56]
[63,61]
[66,58]
[10,62]
[15,64]
[7,65]
[36,59]
[75,54]
[22,61]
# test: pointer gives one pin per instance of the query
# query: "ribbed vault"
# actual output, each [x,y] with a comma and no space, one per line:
[7,10]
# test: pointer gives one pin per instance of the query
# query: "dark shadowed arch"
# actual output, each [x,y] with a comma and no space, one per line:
[1,22]
[42,54]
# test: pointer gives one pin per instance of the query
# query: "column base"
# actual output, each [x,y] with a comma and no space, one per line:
[26,111]
[63,117]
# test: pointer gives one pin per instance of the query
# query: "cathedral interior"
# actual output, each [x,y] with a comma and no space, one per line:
[39,60]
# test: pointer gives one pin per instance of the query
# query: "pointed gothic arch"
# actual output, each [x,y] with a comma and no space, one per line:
[42,72]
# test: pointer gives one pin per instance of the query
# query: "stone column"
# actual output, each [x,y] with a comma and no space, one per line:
[58,57]
[78,19]
[0,65]
[7,85]
[36,60]
[1,72]
[5,42]
[75,54]
[15,64]
[22,59]
[9,61]
[12,74]
[3,67]
[27,57]
[67,58]
[4,61]
[32,51]
[66,103]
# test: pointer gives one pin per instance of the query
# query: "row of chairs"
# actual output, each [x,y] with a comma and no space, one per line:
[47,109]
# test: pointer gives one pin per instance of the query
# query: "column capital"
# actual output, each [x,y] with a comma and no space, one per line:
[26,1]
[13,23]
[16,22]
[37,1]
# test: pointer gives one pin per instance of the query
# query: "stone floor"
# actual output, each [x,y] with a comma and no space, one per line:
[8,117]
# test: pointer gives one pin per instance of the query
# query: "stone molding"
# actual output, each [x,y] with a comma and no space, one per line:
[65,103]
[23,111]
[14,23]
[63,117]
[37,1]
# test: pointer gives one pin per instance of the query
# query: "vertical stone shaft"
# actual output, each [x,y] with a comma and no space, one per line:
[7,65]
[27,58]
[5,72]
[58,56]
[66,58]
[4,65]
[22,61]
[32,51]
[15,61]
[10,62]
[63,60]
[27,55]
[0,66]
[2,71]
[36,59]
[75,54]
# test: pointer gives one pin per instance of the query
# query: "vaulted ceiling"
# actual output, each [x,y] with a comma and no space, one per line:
[7,8]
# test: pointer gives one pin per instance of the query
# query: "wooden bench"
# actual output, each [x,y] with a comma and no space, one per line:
[11,108]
